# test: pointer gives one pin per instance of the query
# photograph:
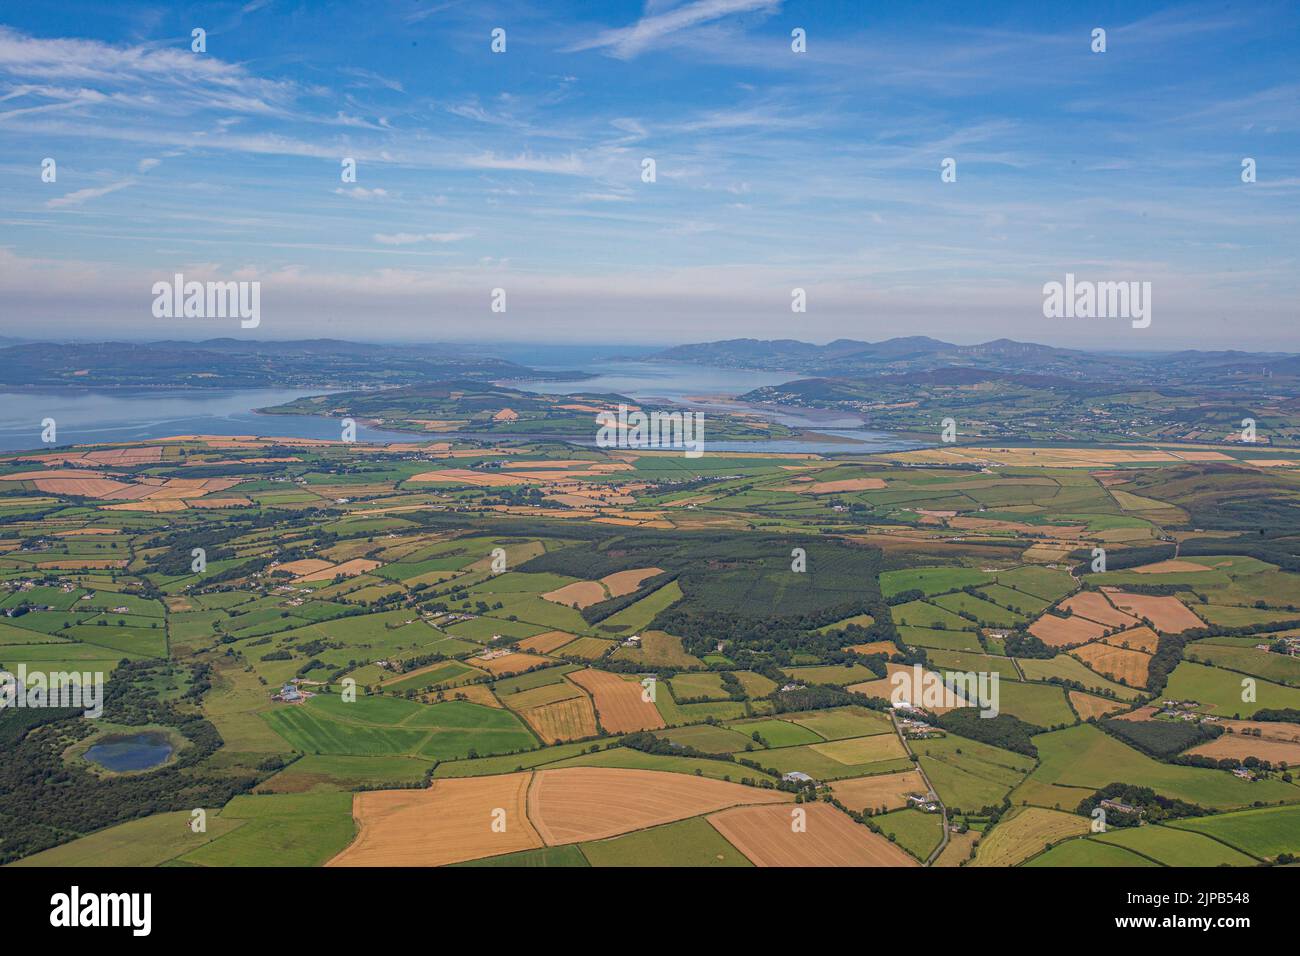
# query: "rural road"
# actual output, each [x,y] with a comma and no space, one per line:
[921,770]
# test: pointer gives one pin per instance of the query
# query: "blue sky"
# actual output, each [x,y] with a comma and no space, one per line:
[775,170]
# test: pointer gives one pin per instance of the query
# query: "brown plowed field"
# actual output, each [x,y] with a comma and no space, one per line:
[1242,746]
[447,823]
[1115,662]
[1094,606]
[625,582]
[570,719]
[1064,631]
[581,593]
[507,663]
[832,839]
[618,701]
[888,790]
[1137,638]
[545,643]
[1168,614]
[574,804]
[1090,705]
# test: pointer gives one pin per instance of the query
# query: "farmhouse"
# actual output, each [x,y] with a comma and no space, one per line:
[926,802]
[1119,807]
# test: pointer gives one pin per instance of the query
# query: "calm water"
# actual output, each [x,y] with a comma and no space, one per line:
[707,388]
[135,752]
[84,417]
[110,416]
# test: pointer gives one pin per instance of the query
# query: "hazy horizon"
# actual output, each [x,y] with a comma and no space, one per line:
[776,170]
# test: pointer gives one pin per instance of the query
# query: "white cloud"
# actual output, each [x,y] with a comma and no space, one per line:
[627,42]
[361,192]
[410,238]
[81,195]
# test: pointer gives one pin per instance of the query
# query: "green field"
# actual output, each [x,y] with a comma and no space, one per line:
[280,830]
[692,842]
[1264,833]
[969,775]
[1086,852]
[380,725]
[1175,847]
[1084,756]
[1220,691]
[917,832]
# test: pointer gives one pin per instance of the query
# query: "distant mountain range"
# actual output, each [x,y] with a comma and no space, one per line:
[250,363]
[849,357]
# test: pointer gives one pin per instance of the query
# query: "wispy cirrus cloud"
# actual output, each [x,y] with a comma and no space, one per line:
[411,238]
[80,196]
[626,43]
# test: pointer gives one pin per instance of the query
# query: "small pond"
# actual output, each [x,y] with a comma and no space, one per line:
[133,752]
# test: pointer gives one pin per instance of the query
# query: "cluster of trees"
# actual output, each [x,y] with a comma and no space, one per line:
[1004,730]
[1161,739]
[1153,807]
[1021,643]
[45,801]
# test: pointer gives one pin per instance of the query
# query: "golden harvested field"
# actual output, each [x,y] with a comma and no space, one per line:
[1168,614]
[85,487]
[887,790]
[1170,567]
[545,643]
[546,694]
[1064,631]
[581,593]
[303,566]
[857,750]
[958,849]
[884,688]
[831,838]
[73,474]
[1138,639]
[1094,606]
[570,719]
[507,663]
[1268,729]
[467,476]
[147,505]
[834,487]
[1242,746]
[447,823]
[574,804]
[873,647]
[348,569]
[625,582]
[1029,831]
[618,701]
[554,463]
[1090,705]
[476,693]
[1036,457]
[992,524]
[1115,662]
[1142,713]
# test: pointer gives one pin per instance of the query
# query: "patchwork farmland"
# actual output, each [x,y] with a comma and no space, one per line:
[423,676]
